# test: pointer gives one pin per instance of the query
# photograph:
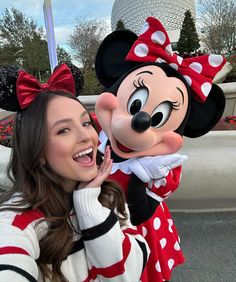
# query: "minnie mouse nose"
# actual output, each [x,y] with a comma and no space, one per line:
[141,121]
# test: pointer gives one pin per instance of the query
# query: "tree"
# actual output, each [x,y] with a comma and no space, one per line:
[8,55]
[85,40]
[188,40]
[218,23]
[120,25]
[35,58]
[14,27]
[91,84]
[63,56]
[22,43]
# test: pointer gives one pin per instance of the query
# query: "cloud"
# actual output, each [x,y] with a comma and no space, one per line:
[62,33]
[64,13]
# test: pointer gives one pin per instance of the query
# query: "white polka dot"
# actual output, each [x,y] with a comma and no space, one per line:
[170,221]
[169,49]
[196,66]
[170,225]
[174,66]
[188,79]
[179,239]
[215,60]
[163,243]
[176,246]
[144,231]
[206,88]
[158,267]
[160,60]
[179,59]
[144,28]
[156,223]
[158,37]
[171,263]
[141,50]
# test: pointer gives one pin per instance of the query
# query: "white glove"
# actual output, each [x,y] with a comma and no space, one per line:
[148,168]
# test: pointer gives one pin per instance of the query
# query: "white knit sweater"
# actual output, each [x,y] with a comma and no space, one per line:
[104,252]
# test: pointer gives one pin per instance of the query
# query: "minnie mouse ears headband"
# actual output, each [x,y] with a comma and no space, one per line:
[18,88]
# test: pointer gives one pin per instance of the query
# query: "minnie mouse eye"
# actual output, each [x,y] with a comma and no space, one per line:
[137,100]
[161,114]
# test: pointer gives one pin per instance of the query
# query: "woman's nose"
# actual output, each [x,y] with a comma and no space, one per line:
[83,135]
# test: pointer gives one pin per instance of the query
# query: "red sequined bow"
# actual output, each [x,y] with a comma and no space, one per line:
[27,86]
[153,45]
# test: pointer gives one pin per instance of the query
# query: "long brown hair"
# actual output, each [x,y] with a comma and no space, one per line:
[41,188]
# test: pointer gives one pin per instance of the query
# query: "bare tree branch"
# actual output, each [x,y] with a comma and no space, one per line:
[86,39]
[218,20]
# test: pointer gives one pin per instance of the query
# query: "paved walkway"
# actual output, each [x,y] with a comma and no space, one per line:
[209,244]
[4,114]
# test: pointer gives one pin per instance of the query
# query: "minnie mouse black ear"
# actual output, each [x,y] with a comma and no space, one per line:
[78,77]
[8,78]
[110,63]
[204,116]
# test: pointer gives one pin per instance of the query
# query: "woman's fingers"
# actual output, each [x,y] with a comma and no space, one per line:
[106,162]
[103,171]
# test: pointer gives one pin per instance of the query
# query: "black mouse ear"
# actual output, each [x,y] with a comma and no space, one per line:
[8,79]
[110,63]
[204,116]
[78,77]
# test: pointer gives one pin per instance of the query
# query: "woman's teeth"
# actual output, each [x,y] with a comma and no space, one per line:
[82,153]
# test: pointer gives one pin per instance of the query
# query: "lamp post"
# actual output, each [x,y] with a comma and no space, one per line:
[52,50]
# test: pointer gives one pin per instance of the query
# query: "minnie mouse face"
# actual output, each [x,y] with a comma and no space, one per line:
[141,119]
[149,106]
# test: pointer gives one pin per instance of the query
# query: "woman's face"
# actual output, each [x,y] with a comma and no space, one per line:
[71,146]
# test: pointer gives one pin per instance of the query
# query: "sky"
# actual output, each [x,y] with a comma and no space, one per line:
[65,13]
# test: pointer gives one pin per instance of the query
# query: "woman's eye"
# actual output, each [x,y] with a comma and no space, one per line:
[137,100]
[87,123]
[161,114]
[63,131]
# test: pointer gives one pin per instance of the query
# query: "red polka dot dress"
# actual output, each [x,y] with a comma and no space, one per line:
[159,230]
[160,234]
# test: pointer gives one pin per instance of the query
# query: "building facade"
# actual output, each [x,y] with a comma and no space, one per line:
[170,12]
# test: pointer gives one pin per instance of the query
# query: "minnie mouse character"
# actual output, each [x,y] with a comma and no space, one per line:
[154,98]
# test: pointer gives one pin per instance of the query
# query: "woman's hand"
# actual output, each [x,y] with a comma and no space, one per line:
[103,172]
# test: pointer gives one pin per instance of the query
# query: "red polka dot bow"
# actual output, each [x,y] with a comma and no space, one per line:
[27,86]
[153,45]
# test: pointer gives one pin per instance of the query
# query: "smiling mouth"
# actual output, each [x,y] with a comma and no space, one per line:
[84,157]
[123,148]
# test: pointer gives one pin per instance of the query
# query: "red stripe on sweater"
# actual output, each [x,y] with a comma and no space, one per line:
[113,270]
[13,250]
[131,231]
[23,220]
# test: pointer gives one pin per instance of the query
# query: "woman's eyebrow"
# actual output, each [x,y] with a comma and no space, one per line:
[68,119]
[182,94]
[61,121]
[149,72]
[85,113]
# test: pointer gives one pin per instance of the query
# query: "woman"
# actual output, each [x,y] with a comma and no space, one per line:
[62,221]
